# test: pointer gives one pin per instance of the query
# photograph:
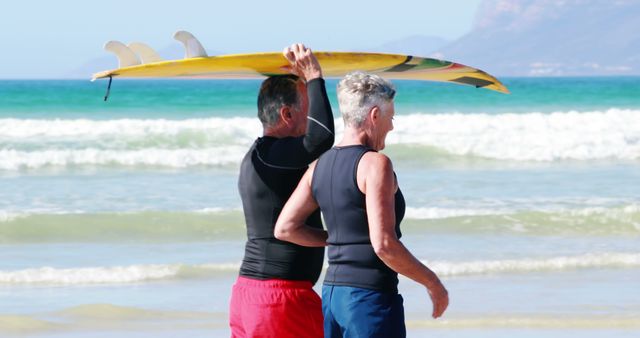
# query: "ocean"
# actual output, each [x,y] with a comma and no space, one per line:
[122,218]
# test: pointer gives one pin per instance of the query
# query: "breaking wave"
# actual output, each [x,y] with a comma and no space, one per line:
[158,272]
[579,136]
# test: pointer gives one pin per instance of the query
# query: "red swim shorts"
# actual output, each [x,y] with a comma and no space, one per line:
[275,308]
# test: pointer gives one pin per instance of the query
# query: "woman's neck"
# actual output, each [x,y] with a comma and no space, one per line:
[354,136]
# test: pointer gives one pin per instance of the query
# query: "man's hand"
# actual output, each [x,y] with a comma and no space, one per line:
[303,62]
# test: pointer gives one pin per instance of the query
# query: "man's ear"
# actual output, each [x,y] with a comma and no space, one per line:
[285,114]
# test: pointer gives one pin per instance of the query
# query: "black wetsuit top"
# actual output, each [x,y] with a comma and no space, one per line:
[352,260]
[269,174]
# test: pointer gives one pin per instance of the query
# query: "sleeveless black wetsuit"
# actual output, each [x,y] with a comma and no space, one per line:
[352,260]
[269,174]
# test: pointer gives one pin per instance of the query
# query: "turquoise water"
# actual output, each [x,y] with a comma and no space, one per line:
[181,99]
[121,218]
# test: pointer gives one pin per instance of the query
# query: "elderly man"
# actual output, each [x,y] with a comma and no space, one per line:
[273,296]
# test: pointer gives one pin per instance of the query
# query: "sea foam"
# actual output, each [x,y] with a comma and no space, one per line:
[527,265]
[571,135]
[111,275]
[597,135]
[157,272]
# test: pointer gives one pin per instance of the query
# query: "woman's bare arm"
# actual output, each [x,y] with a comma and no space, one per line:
[290,226]
[378,183]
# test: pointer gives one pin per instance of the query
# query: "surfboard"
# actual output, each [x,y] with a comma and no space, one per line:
[197,64]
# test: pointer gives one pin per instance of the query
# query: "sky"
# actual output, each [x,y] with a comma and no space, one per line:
[45,39]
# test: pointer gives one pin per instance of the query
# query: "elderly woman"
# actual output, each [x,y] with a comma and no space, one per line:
[357,192]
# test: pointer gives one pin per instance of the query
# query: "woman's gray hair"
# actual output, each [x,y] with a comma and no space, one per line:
[358,92]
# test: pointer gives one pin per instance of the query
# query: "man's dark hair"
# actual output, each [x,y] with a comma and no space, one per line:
[275,92]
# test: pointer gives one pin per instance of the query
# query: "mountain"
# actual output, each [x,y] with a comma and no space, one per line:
[552,38]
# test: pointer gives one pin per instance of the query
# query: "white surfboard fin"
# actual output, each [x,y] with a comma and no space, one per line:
[126,57]
[145,53]
[193,47]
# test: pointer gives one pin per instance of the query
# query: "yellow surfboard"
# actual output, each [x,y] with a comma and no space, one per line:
[334,64]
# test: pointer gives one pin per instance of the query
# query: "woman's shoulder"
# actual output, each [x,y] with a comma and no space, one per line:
[376,160]
[374,163]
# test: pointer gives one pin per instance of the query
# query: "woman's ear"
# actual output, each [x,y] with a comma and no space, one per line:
[374,114]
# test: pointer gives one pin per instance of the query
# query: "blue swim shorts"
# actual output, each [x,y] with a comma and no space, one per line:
[351,312]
